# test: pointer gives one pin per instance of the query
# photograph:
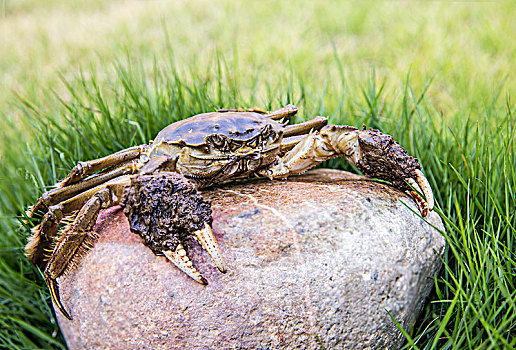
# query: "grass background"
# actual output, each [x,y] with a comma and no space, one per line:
[82,80]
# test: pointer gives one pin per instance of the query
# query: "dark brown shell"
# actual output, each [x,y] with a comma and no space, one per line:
[239,126]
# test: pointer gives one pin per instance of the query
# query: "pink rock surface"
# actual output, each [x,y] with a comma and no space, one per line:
[315,260]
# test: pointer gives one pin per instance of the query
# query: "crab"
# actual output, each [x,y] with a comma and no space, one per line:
[157,184]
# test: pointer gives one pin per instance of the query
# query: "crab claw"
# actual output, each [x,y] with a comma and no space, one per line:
[380,156]
[181,260]
[207,239]
[421,183]
[425,187]
[54,293]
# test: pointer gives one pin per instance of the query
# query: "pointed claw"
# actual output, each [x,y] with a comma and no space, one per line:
[207,239]
[54,293]
[421,203]
[181,260]
[425,187]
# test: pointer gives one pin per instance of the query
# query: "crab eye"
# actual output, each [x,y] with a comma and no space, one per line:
[219,141]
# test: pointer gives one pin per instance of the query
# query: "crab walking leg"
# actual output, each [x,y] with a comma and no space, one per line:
[181,260]
[43,234]
[75,236]
[304,128]
[241,110]
[83,169]
[284,112]
[60,194]
[374,153]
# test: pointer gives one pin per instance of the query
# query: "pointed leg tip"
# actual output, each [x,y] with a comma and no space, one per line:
[65,314]
[56,299]
[223,269]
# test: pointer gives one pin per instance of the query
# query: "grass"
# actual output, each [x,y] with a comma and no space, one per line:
[436,76]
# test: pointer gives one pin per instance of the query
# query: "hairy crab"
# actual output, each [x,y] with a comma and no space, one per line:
[157,184]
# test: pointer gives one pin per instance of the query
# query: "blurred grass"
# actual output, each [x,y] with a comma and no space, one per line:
[437,76]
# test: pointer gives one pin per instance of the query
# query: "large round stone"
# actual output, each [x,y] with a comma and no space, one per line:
[318,260]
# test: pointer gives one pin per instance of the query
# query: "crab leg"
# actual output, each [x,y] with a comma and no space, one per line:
[83,169]
[284,112]
[304,128]
[293,135]
[290,142]
[60,194]
[374,153]
[78,236]
[241,110]
[67,202]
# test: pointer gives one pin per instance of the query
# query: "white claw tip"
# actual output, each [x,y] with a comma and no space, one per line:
[425,187]
[207,239]
[181,260]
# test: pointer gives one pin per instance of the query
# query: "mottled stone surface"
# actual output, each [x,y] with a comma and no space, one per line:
[317,258]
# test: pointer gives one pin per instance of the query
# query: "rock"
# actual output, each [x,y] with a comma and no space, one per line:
[315,260]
